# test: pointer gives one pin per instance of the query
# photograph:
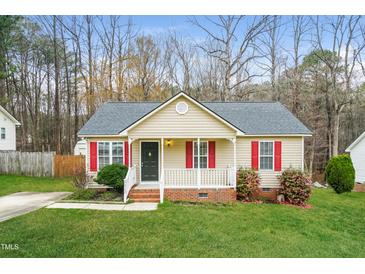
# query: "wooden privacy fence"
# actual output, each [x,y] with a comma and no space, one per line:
[68,165]
[40,164]
[26,163]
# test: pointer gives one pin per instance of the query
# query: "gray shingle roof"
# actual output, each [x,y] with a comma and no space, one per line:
[250,117]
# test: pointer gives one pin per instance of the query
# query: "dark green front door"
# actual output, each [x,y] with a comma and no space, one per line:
[149,161]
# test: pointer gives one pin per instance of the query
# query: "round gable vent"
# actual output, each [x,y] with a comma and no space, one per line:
[182,108]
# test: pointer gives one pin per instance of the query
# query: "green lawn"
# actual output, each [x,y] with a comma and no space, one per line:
[13,183]
[334,227]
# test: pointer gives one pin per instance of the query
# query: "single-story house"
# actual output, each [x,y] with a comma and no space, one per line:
[357,153]
[8,126]
[183,149]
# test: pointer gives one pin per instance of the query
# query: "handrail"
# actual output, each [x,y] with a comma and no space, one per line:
[129,182]
[209,177]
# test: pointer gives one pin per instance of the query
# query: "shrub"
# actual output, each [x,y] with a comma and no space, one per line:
[79,180]
[112,175]
[248,182]
[340,173]
[295,186]
[83,194]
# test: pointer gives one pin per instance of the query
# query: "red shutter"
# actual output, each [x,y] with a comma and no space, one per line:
[93,156]
[255,155]
[189,154]
[211,151]
[277,150]
[126,153]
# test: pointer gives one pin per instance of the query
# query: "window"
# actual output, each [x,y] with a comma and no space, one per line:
[203,154]
[182,107]
[104,154]
[266,155]
[3,133]
[117,153]
[203,195]
[110,153]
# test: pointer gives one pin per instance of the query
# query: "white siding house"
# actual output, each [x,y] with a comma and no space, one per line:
[8,125]
[357,153]
[80,148]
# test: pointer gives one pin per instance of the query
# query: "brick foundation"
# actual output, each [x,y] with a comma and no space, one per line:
[359,187]
[222,195]
[272,194]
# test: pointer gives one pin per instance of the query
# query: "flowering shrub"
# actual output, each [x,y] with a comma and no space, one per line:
[340,173]
[295,187]
[248,182]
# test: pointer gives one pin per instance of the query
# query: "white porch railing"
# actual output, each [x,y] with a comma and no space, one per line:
[129,182]
[189,178]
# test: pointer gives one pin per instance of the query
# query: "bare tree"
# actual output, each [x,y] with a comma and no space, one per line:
[234,46]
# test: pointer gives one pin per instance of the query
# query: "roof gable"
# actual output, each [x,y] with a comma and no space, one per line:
[168,122]
[192,101]
[7,114]
[354,144]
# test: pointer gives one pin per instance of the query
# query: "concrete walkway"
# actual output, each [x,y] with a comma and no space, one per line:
[23,202]
[117,207]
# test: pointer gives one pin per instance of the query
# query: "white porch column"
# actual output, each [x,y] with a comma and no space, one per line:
[130,141]
[162,160]
[162,176]
[199,174]
[234,161]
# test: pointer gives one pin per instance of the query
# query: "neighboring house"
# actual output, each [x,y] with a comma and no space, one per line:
[80,148]
[357,153]
[8,126]
[160,141]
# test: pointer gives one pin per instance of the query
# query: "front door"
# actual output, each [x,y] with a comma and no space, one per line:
[149,161]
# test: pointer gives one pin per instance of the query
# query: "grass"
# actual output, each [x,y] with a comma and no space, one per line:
[334,227]
[93,195]
[14,183]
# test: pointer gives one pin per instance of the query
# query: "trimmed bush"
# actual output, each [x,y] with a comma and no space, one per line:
[295,187]
[340,173]
[248,182]
[112,175]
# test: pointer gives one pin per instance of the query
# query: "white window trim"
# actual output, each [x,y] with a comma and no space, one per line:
[273,154]
[200,154]
[1,130]
[110,152]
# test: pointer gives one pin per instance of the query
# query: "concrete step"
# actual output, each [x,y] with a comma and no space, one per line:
[135,195]
[146,200]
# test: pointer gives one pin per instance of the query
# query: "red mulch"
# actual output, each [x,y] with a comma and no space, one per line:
[307,206]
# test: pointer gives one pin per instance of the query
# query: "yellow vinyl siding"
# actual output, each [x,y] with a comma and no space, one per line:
[291,156]
[175,154]
[168,123]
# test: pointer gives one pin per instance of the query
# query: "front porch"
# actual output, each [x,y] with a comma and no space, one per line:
[177,165]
